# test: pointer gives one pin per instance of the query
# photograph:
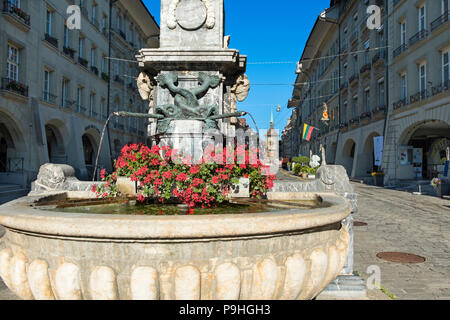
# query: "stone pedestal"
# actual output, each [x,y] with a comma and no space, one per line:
[188,137]
[192,42]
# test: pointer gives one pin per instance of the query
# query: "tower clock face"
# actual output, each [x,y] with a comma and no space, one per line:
[191,14]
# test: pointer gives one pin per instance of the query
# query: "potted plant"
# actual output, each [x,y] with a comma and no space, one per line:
[312,173]
[441,186]
[378,178]
[304,171]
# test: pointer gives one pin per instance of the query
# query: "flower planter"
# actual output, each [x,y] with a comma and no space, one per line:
[378,180]
[442,189]
[304,175]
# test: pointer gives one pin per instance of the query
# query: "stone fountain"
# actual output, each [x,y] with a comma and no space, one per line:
[192,83]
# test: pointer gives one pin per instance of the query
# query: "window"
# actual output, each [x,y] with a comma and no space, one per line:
[403,33]
[80,46]
[355,107]
[13,63]
[366,54]
[104,18]
[381,93]
[445,6]
[47,83]
[422,77]
[93,57]
[119,22]
[48,24]
[91,104]
[65,93]
[344,114]
[15,3]
[103,66]
[79,98]
[102,109]
[367,100]
[422,18]
[94,11]
[403,86]
[445,67]
[66,35]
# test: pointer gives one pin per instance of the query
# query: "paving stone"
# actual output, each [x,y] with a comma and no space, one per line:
[399,221]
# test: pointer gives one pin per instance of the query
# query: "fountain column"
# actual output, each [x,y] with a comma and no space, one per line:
[193,75]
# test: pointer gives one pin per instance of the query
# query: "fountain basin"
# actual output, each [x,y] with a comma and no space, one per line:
[287,254]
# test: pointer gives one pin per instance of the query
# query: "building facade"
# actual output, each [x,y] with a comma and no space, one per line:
[59,84]
[382,88]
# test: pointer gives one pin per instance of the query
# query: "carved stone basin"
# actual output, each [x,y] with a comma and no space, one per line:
[289,254]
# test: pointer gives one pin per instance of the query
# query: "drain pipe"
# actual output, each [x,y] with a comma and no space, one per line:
[386,113]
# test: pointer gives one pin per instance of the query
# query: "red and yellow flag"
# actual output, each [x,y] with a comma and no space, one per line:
[307,132]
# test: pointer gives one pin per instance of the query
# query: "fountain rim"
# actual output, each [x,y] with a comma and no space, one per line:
[21,216]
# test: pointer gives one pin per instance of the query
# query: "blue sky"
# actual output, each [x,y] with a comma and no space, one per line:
[267,31]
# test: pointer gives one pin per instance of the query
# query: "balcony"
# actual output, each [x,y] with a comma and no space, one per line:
[441,88]
[105,77]
[343,126]
[105,32]
[81,109]
[83,62]
[353,78]
[49,97]
[354,121]
[14,87]
[421,95]
[400,103]
[378,112]
[84,11]
[440,21]
[118,79]
[400,50]
[69,52]
[417,37]
[17,13]
[365,115]
[365,68]
[66,103]
[379,56]
[131,86]
[95,23]
[51,40]
[94,70]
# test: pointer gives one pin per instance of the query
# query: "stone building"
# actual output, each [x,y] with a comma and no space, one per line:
[418,126]
[370,80]
[58,84]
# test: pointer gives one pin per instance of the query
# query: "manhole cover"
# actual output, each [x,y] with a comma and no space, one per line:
[359,224]
[400,257]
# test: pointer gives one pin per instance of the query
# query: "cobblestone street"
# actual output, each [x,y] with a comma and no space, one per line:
[403,222]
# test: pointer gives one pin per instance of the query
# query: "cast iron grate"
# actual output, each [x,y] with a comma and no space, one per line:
[400,257]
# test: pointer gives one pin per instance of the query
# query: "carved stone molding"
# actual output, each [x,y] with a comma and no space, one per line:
[193,14]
